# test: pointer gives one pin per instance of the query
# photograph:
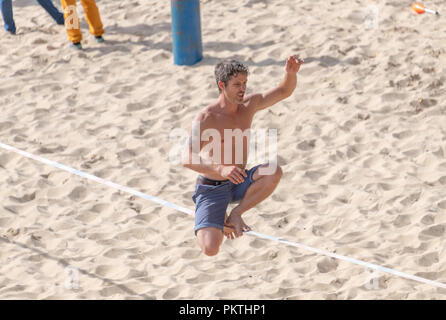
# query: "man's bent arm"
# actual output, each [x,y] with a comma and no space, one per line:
[191,158]
[288,84]
[195,162]
[283,90]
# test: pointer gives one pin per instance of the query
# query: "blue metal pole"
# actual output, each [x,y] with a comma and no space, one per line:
[186,32]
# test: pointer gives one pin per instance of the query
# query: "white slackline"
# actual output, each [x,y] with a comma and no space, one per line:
[252,233]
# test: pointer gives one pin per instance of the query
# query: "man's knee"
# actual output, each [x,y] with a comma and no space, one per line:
[209,240]
[211,250]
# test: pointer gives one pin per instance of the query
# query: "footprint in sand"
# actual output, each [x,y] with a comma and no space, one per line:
[111,291]
[428,259]
[104,270]
[401,221]
[350,238]
[103,173]
[307,145]
[135,274]
[174,217]
[146,217]
[12,233]
[422,104]
[115,253]
[393,96]
[327,265]
[141,182]
[40,113]
[137,106]
[136,233]
[138,132]
[86,217]
[428,219]
[160,57]
[427,275]
[314,175]
[190,254]
[101,207]
[55,149]
[282,223]
[98,236]
[320,230]
[6,125]
[224,293]
[257,244]
[281,293]
[413,153]
[434,231]
[351,153]
[403,134]
[202,278]
[126,155]
[385,186]
[24,198]
[410,200]
[442,204]
[171,293]
[78,194]
[435,84]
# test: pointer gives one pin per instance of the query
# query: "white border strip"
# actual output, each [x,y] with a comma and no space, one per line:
[252,233]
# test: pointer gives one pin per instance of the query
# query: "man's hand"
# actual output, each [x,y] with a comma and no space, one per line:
[293,64]
[233,173]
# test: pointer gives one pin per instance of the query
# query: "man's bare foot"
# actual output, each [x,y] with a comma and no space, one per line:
[237,222]
[228,229]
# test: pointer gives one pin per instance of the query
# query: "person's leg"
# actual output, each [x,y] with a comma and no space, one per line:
[93,18]
[71,21]
[6,7]
[209,240]
[262,186]
[52,10]
[211,203]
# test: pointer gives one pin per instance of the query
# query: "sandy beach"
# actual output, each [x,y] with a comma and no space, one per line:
[362,144]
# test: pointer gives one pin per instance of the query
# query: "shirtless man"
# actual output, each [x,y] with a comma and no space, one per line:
[222,178]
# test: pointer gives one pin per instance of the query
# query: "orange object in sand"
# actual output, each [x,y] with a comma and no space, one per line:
[419,8]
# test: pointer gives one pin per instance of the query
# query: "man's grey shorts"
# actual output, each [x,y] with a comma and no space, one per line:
[211,202]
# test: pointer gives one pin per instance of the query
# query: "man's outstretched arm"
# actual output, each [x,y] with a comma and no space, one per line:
[283,90]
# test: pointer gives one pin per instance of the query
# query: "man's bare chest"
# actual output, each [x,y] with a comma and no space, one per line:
[241,122]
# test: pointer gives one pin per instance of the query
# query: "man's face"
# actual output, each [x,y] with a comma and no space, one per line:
[235,89]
